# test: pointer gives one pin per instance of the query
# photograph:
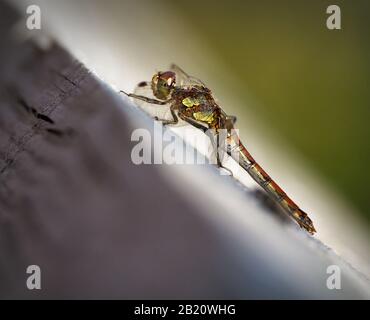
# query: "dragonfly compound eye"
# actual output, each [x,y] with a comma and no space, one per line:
[163,84]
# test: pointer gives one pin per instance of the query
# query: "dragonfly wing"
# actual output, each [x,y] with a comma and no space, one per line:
[184,79]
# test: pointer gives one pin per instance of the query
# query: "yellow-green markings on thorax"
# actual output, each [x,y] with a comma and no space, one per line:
[207,116]
[204,116]
[190,102]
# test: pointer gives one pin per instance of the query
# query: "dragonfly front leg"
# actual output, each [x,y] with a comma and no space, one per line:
[146,99]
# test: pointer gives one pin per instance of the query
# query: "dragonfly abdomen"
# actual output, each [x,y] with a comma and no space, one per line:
[240,154]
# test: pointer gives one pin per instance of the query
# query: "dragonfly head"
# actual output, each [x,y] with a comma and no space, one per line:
[163,84]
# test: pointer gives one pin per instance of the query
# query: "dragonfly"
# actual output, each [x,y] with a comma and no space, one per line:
[187,98]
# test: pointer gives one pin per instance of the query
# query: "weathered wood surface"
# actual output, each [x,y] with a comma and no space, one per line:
[72,202]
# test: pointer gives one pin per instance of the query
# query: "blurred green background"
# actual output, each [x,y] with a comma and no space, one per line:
[313,84]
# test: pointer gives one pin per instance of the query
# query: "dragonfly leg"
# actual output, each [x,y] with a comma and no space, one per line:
[219,147]
[165,122]
[212,136]
[194,123]
[146,99]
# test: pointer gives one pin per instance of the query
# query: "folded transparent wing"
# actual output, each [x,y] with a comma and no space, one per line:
[183,79]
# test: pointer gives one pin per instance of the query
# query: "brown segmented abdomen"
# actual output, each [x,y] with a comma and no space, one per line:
[240,154]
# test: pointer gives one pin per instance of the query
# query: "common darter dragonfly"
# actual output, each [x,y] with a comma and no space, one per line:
[189,99]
